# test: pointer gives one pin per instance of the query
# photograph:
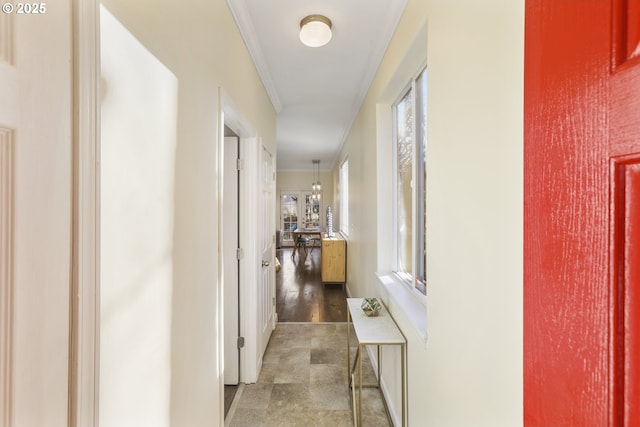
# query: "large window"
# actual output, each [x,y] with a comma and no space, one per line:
[410,117]
[344,197]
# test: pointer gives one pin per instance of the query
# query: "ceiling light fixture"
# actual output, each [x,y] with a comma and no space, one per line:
[316,187]
[315,30]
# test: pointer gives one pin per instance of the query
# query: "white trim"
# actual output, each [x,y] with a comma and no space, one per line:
[250,359]
[230,115]
[233,118]
[249,152]
[381,44]
[384,135]
[402,301]
[84,342]
[241,15]
[219,197]
[401,81]
[6,273]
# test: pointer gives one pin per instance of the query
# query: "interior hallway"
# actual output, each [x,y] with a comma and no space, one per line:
[300,294]
[301,297]
[304,375]
[304,382]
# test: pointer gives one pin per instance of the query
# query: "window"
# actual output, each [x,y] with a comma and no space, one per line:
[344,197]
[289,215]
[409,193]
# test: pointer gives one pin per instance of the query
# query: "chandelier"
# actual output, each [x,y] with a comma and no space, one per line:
[316,187]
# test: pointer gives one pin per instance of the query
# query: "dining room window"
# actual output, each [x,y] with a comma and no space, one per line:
[409,190]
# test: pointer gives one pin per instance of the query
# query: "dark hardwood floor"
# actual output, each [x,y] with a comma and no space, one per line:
[300,294]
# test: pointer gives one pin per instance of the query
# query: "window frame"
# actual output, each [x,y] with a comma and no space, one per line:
[418,189]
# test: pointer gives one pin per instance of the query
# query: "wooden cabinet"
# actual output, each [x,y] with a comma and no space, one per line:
[334,259]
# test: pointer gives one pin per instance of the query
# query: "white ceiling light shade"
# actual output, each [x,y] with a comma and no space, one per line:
[315,30]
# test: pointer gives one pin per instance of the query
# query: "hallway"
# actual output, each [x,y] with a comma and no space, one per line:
[301,297]
[300,294]
[303,381]
[128,327]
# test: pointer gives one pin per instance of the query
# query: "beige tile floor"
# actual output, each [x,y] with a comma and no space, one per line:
[304,382]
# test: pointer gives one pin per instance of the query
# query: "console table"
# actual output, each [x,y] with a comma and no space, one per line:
[378,331]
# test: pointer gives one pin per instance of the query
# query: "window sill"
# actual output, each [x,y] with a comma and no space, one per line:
[400,297]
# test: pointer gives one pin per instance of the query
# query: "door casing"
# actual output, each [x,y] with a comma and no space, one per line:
[250,263]
[229,261]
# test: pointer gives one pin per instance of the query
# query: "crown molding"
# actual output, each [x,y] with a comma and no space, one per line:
[394,14]
[244,23]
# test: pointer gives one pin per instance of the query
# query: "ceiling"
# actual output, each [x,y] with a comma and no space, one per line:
[316,92]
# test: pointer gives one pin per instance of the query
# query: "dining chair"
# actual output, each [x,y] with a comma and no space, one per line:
[301,244]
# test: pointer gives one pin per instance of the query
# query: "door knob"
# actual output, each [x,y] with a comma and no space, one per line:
[265,263]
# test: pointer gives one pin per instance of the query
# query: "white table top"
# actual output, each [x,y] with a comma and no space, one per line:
[380,329]
[313,230]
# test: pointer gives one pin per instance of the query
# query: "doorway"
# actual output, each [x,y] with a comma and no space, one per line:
[298,209]
[231,272]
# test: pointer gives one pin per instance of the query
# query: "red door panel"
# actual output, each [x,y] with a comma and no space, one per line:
[582,213]
[626,268]
[624,149]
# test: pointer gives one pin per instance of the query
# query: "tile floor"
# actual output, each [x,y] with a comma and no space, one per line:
[303,382]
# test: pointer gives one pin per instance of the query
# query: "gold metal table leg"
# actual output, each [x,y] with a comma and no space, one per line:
[403,373]
[360,349]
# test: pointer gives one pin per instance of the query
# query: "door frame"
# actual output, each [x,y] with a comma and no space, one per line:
[250,360]
[85,284]
[230,244]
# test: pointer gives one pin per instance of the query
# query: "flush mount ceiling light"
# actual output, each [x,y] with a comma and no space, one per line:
[315,30]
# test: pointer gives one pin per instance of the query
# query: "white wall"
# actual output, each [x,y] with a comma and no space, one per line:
[195,49]
[469,372]
[139,108]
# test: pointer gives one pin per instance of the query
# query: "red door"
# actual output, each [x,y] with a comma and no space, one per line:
[582,213]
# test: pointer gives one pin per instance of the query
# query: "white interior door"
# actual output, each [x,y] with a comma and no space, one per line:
[35,213]
[266,301]
[230,260]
